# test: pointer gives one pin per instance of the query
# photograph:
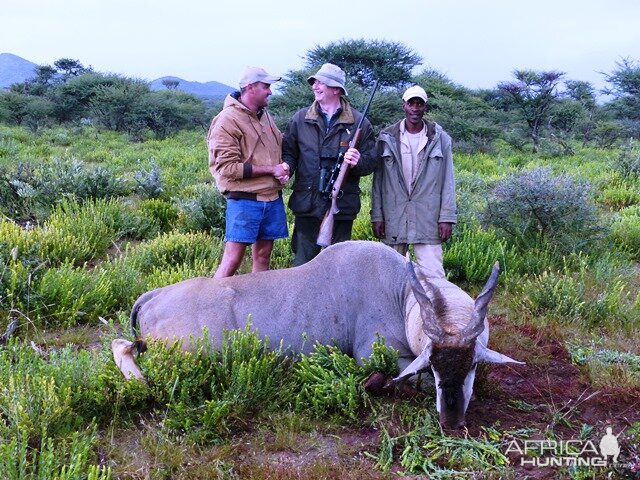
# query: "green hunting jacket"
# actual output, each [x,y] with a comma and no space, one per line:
[413,216]
[308,146]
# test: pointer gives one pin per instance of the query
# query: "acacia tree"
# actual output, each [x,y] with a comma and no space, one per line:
[365,61]
[625,88]
[532,93]
[68,67]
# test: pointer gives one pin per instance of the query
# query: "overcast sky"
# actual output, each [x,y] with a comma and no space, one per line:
[476,43]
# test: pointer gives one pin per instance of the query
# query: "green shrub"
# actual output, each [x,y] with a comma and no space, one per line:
[576,297]
[32,403]
[618,197]
[282,255]
[625,230]
[329,383]
[471,253]
[70,458]
[203,210]
[68,295]
[53,393]
[34,190]
[126,282]
[162,213]
[249,374]
[18,243]
[536,206]
[553,293]
[167,275]
[149,183]
[172,249]
[78,232]
[206,391]
[627,162]
[8,147]
[17,278]
[383,359]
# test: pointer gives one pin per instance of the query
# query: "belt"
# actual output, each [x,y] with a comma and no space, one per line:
[246,195]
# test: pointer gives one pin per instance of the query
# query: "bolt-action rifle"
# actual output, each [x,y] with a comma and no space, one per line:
[338,174]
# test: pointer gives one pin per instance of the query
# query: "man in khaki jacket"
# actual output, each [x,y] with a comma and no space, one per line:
[245,159]
[413,200]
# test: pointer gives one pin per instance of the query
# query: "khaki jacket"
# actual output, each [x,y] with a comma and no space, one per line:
[413,216]
[237,140]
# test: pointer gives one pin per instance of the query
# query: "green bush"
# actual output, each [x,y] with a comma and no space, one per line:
[163,214]
[536,206]
[167,275]
[35,189]
[69,295]
[63,459]
[282,255]
[78,232]
[203,210]
[208,392]
[328,383]
[126,281]
[553,293]
[33,403]
[168,250]
[149,183]
[625,230]
[621,196]
[471,253]
[627,162]
[577,298]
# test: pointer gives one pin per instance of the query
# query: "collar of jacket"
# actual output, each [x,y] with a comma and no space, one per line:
[432,129]
[345,117]
[391,136]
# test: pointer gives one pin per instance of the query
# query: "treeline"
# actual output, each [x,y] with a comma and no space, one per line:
[543,111]
[68,93]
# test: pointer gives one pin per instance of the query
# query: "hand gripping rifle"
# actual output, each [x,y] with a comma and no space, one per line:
[338,174]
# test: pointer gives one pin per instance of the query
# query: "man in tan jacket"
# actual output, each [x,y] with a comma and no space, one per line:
[245,159]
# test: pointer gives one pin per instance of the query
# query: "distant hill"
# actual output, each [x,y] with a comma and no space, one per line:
[14,69]
[209,90]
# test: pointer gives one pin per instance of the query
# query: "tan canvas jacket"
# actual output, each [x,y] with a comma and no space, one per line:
[239,139]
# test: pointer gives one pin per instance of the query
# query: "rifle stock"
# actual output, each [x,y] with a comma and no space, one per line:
[325,236]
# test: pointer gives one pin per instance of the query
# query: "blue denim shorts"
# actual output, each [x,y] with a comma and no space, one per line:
[251,220]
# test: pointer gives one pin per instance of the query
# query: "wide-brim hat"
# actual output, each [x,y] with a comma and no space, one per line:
[331,75]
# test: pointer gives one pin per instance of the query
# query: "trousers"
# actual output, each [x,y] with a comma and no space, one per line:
[305,233]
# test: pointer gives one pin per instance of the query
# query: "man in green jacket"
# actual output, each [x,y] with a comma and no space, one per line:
[245,149]
[312,143]
[413,200]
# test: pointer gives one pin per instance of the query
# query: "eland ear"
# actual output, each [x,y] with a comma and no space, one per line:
[420,364]
[484,354]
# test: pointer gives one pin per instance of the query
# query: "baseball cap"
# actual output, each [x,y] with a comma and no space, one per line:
[414,92]
[256,74]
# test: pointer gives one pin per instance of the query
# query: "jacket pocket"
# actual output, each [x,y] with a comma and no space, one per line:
[349,201]
[436,153]
[303,197]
